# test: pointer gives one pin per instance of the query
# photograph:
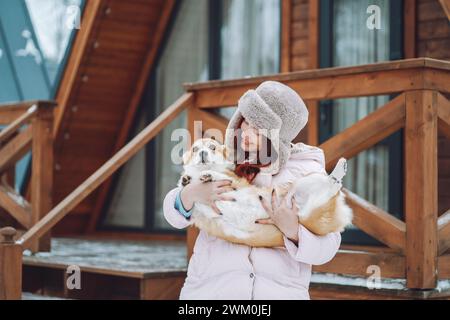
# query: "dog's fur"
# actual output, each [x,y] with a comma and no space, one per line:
[321,204]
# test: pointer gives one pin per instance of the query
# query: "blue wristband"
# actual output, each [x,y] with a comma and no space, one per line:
[180,208]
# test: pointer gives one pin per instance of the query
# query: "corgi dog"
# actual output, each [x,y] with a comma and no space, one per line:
[321,203]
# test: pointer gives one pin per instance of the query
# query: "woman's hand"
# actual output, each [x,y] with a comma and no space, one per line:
[206,193]
[283,217]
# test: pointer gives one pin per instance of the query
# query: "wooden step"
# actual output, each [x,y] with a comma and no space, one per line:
[326,286]
[110,269]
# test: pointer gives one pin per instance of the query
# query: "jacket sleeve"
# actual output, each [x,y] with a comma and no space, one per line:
[313,249]
[172,215]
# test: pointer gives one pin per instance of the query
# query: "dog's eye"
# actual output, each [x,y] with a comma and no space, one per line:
[195,149]
[212,147]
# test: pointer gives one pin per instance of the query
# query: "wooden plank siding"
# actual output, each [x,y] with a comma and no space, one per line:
[98,95]
[433,40]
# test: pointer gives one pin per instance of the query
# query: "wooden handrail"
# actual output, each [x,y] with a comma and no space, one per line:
[106,170]
[19,122]
[334,83]
[11,111]
[37,118]
[377,223]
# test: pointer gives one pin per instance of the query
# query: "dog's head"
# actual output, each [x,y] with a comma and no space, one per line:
[205,152]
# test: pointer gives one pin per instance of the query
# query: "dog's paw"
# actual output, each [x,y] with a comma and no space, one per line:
[185,180]
[206,177]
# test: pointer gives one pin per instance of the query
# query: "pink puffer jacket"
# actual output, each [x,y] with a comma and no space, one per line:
[219,269]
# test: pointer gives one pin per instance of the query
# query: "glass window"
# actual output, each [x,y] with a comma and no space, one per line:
[254,27]
[54,22]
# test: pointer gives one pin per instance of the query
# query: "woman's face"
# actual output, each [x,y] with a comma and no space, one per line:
[251,140]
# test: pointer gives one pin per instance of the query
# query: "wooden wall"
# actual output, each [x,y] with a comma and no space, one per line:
[433,40]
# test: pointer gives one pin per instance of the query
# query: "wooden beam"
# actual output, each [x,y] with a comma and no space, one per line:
[366,132]
[443,115]
[444,266]
[286,24]
[106,170]
[376,222]
[10,111]
[72,71]
[421,196]
[209,121]
[444,232]
[446,6]
[333,83]
[132,108]
[15,149]
[16,124]
[10,266]
[42,174]
[357,263]
[409,29]
[15,205]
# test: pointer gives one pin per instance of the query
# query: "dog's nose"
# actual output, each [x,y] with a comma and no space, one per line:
[203,155]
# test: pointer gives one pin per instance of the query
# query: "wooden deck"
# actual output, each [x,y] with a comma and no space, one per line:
[110,269]
[138,259]
[327,286]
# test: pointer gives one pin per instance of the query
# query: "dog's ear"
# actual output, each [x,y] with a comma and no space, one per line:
[187,157]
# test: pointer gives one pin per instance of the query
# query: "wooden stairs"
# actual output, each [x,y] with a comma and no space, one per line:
[109,269]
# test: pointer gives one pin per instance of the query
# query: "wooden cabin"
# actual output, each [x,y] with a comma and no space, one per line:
[91,90]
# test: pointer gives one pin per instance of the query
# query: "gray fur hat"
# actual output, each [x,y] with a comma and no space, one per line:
[277,110]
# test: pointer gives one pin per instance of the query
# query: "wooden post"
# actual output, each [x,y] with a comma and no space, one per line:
[421,198]
[42,172]
[10,266]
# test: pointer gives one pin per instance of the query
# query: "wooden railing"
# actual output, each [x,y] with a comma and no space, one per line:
[415,248]
[10,261]
[29,128]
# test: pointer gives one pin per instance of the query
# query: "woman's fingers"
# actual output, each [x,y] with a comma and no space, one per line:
[225,198]
[215,208]
[224,189]
[265,205]
[274,199]
[265,221]
[221,183]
